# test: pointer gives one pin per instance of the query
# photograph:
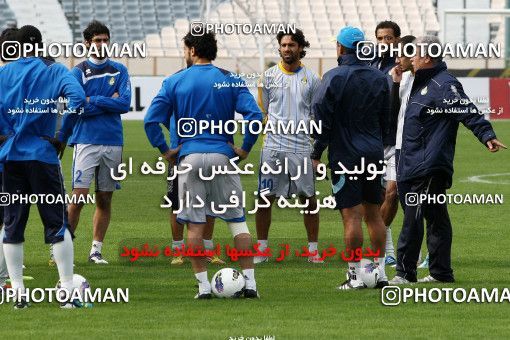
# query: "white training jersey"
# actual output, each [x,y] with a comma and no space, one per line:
[404,91]
[284,97]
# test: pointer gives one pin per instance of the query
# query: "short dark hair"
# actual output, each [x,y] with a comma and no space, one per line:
[206,45]
[297,36]
[95,28]
[9,34]
[389,24]
[406,40]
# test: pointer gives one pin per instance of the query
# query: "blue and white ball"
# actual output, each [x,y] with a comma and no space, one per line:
[228,283]
[80,284]
[369,273]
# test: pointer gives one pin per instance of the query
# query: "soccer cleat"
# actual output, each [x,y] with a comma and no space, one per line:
[398,280]
[177,261]
[71,304]
[315,259]
[428,279]
[425,263]
[351,283]
[260,259]
[203,296]
[390,261]
[97,258]
[251,294]
[381,284]
[21,304]
[214,260]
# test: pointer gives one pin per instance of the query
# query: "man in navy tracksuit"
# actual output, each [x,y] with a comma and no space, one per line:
[352,103]
[426,163]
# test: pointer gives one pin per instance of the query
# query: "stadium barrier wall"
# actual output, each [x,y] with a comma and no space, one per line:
[145,89]
[148,73]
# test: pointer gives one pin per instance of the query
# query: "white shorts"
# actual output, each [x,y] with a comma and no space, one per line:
[217,191]
[96,161]
[281,184]
[389,157]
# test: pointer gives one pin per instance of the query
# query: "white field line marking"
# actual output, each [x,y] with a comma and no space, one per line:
[482,179]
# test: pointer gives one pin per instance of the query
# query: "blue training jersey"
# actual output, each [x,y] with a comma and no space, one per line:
[29,93]
[100,123]
[191,94]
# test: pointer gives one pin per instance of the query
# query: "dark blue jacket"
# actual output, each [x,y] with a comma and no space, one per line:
[430,126]
[351,103]
[385,64]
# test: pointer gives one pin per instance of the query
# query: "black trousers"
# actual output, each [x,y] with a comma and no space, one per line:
[33,177]
[439,228]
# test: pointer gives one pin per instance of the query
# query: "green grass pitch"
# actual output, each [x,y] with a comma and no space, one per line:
[299,300]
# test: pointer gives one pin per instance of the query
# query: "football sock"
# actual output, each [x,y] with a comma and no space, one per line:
[382,270]
[52,257]
[14,259]
[263,244]
[64,258]
[390,251]
[204,286]
[208,244]
[177,244]
[249,276]
[3,265]
[312,247]
[96,247]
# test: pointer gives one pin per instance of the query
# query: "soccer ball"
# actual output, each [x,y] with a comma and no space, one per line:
[228,283]
[369,273]
[79,283]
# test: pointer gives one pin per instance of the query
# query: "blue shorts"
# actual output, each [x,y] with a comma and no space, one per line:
[173,189]
[28,178]
[349,192]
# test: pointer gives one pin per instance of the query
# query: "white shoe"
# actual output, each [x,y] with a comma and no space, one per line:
[428,279]
[351,284]
[398,280]
[97,258]
[260,259]
[315,259]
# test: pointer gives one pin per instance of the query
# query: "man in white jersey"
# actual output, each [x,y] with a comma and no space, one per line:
[285,96]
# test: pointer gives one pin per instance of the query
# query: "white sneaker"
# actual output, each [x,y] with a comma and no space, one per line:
[428,279]
[398,280]
[351,284]
[97,258]
[315,259]
[260,259]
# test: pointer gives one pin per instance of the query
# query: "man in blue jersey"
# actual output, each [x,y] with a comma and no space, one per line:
[351,103]
[97,135]
[30,87]
[8,34]
[191,95]
[153,116]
